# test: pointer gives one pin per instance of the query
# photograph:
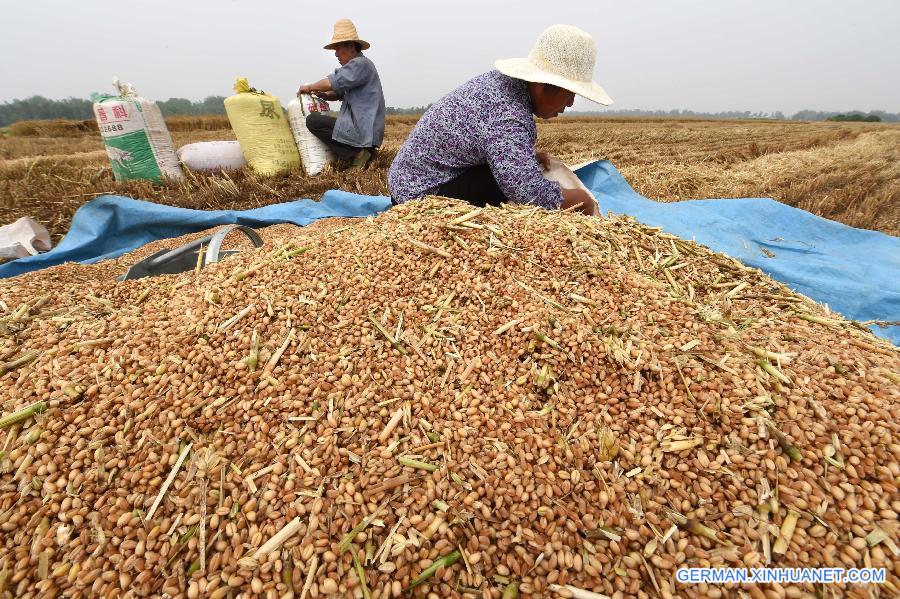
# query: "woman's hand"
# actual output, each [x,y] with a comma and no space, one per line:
[580,198]
[543,158]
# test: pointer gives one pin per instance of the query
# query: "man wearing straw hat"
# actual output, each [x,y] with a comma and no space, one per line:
[359,128]
[478,142]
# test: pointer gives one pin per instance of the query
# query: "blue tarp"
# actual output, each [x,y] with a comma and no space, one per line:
[110,226]
[853,271]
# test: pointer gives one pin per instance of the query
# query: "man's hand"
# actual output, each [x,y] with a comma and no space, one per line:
[574,197]
[303,89]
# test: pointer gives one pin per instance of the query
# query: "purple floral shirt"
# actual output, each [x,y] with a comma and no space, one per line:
[487,120]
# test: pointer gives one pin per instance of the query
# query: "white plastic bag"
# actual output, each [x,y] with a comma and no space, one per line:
[314,154]
[212,156]
[136,137]
[25,237]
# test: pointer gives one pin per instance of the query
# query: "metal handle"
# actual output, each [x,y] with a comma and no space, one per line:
[173,254]
[213,243]
[217,238]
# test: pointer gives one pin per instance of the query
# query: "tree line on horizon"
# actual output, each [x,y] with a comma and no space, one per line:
[39,108]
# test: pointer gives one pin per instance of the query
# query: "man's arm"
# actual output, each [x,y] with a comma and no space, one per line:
[352,74]
[329,96]
[322,85]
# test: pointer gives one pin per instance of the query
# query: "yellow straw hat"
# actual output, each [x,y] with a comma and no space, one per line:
[345,31]
[564,56]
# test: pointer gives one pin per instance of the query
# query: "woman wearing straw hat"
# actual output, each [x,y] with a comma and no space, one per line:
[478,142]
[359,128]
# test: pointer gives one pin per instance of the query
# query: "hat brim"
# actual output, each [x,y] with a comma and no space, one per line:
[365,45]
[522,68]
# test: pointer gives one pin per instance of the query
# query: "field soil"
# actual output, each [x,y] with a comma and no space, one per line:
[848,172]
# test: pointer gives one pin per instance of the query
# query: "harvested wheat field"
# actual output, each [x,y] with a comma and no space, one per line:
[849,172]
[440,402]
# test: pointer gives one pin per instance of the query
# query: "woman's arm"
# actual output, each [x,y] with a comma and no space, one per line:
[510,154]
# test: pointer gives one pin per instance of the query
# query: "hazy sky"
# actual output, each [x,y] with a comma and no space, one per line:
[712,55]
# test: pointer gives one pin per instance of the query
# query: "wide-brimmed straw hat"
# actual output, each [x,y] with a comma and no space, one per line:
[563,55]
[345,31]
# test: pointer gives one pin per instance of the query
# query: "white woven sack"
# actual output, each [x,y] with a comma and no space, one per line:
[314,154]
[212,156]
[562,174]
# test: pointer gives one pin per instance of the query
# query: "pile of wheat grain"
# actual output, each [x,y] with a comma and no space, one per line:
[454,401]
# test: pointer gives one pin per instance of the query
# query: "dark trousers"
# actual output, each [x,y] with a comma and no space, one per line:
[322,126]
[476,186]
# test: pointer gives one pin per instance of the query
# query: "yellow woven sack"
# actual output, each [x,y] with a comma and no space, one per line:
[262,129]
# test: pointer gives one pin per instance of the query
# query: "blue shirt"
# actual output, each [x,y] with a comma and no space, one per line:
[361,120]
[487,120]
